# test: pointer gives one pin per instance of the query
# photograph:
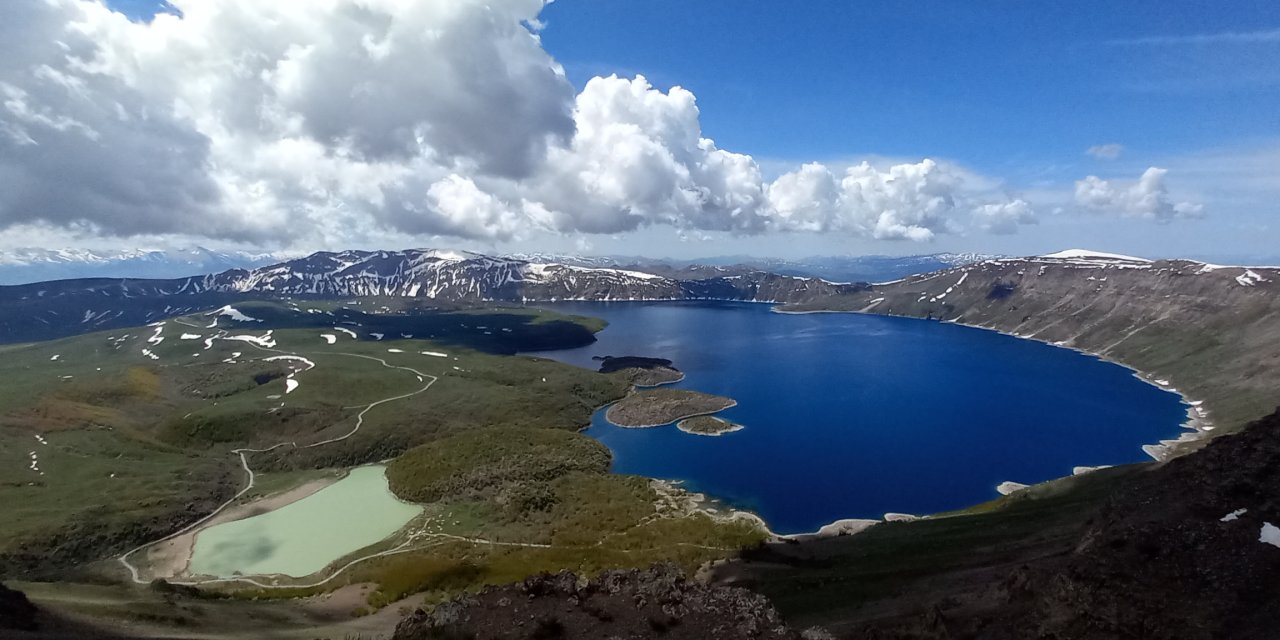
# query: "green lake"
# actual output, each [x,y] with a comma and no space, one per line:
[304,537]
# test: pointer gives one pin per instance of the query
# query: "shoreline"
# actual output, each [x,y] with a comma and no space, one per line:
[172,558]
[1197,427]
[732,427]
[732,403]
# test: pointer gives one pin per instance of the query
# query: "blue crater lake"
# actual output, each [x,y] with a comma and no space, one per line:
[855,416]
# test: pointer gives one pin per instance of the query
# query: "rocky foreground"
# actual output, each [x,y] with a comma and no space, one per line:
[656,603]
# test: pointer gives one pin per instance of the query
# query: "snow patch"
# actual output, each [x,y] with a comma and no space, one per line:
[434,353]
[233,313]
[1234,515]
[329,338]
[310,365]
[55,358]
[1270,534]
[348,332]
[1006,488]
[1087,254]
[395,350]
[1250,278]
[265,341]
[190,336]
[289,385]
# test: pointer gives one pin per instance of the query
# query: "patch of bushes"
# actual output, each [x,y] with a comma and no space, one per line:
[482,462]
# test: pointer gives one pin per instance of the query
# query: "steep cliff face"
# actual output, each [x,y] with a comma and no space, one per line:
[1211,332]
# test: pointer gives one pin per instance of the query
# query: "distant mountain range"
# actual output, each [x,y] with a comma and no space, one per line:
[23,266]
[57,308]
[830,268]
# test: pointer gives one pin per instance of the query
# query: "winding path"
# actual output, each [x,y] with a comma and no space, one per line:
[435,539]
[134,574]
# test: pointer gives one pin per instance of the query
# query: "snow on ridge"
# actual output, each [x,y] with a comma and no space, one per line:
[541,269]
[235,314]
[1249,278]
[1087,254]
[448,255]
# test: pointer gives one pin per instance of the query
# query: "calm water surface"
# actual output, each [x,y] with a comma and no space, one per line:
[853,416]
[304,537]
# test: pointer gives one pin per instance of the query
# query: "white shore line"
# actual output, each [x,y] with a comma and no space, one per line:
[731,427]
[244,462]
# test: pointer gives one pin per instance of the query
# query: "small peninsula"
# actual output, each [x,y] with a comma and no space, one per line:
[641,371]
[657,407]
[708,426]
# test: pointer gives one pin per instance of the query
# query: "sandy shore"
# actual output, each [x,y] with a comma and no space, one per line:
[171,558]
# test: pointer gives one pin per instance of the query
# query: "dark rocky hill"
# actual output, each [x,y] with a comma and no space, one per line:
[655,603]
[1182,550]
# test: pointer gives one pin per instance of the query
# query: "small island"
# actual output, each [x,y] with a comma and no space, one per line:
[657,407]
[708,426]
[641,371]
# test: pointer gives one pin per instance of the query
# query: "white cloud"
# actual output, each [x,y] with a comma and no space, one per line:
[907,201]
[1146,198]
[1004,218]
[1223,37]
[1109,151]
[332,123]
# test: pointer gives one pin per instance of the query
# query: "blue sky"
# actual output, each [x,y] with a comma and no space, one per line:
[1014,92]
[1003,86]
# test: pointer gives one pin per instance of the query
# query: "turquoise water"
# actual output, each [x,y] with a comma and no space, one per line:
[304,537]
[854,416]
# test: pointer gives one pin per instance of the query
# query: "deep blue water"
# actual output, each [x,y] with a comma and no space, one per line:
[853,416]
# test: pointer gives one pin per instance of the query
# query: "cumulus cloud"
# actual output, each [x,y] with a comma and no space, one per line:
[1004,218]
[1109,151]
[289,121]
[1145,198]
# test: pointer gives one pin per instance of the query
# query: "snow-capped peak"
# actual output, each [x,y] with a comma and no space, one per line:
[1086,254]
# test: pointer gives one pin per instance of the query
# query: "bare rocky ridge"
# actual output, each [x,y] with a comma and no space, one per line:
[1212,333]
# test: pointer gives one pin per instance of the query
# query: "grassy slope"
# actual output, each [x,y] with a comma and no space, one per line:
[105,408]
[534,495]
